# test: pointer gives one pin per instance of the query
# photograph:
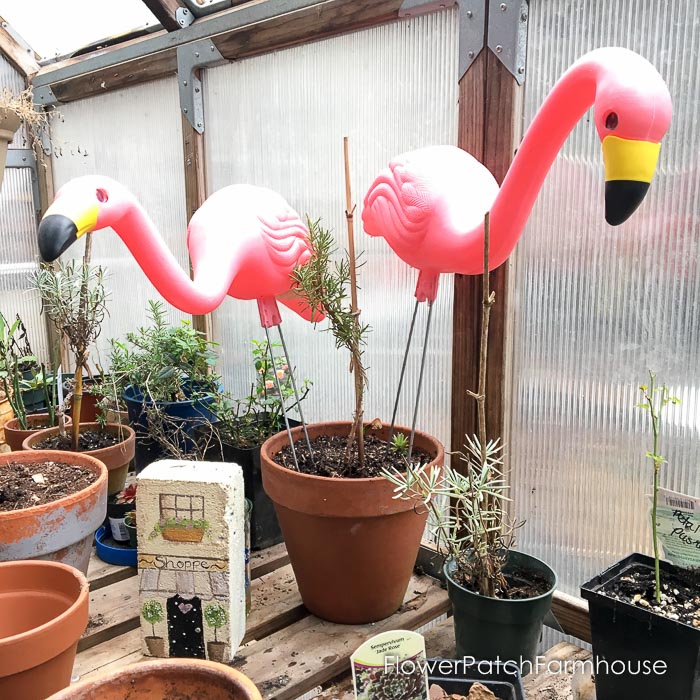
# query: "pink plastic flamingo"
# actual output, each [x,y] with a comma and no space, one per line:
[429,204]
[244,241]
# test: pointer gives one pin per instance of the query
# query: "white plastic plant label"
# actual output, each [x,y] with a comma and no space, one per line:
[678,518]
[391,664]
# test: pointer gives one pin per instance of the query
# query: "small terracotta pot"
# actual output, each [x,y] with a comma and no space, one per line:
[116,458]
[351,545]
[165,678]
[15,436]
[44,612]
[6,415]
[59,531]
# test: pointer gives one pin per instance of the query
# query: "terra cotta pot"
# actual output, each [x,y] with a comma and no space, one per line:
[15,436]
[61,530]
[116,457]
[351,545]
[165,678]
[44,612]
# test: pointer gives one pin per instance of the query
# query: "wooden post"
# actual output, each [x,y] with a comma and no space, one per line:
[195,194]
[490,106]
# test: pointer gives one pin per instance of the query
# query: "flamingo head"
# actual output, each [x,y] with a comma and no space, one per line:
[82,205]
[632,113]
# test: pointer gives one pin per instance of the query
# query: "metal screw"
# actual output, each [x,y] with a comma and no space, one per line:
[199,124]
[523,17]
[196,54]
[184,82]
[521,69]
[469,14]
[196,89]
[504,7]
[184,109]
[499,49]
[470,54]
[211,48]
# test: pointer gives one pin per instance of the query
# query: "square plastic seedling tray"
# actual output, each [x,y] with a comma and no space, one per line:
[454,676]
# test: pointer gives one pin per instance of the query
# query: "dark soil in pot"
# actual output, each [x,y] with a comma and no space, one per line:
[329,457]
[88,440]
[28,485]
[521,583]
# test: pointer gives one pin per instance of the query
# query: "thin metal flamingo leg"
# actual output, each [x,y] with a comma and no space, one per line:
[279,389]
[296,395]
[420,378]
[403,372]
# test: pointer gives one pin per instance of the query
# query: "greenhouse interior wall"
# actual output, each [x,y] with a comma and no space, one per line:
[592,307]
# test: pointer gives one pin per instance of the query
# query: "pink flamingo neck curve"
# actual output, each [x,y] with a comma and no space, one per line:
[430,233]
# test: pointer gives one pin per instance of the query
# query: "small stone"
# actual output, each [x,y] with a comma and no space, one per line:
[675,591]
[637,598]
[696,622]
[644,603]
[38,478]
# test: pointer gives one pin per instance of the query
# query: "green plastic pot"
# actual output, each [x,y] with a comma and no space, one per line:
[491,628]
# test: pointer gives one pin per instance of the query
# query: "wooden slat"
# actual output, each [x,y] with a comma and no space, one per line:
[572,614]
[312,652]
[25,61]
[164,11]
[114,610]
[327,18]
[101,574]
[267,560]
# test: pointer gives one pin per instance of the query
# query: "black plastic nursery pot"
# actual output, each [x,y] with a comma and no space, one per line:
[264,527]
[628,640]
[494,628]
[455,676]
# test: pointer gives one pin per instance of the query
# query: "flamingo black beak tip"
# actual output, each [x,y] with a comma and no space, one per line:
[56,234]
[622,197]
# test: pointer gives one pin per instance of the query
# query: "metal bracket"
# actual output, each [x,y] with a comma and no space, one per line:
[472,24]
[25,158]
[43,96]
[190,58]
[184,17]
[507,35]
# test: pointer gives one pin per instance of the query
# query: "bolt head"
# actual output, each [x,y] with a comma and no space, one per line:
[504,7]
[521,69]
[499,49]
[470,54]
[469,14]
[196,54]
[184,82]
[184,109]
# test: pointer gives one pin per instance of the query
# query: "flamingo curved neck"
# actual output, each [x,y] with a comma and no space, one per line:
[568,101]
[198,296]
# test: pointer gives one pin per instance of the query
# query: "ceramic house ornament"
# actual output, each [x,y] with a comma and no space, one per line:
[191,561]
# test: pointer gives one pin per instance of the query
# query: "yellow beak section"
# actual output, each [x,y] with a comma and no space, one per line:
[84,218]
[625,159]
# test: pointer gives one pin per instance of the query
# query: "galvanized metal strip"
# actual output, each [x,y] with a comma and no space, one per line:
[507,34]
[184,17]
[472,24]
[25,158]
[190,58]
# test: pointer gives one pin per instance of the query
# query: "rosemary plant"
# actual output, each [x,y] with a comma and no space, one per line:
[656,398]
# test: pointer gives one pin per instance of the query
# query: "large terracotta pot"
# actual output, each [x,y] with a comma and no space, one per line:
[9,123]
[165,678]
[116,457]
[351,545]
[44,612]
[59,531]
[15,436]
[6,415]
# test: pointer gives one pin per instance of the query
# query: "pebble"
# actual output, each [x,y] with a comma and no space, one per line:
[638,597]
[644,603]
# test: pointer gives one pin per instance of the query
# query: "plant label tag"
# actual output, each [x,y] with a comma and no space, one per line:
[391,664]
[678,518]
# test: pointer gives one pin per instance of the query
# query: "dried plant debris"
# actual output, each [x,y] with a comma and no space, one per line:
[476,692]
[28,485]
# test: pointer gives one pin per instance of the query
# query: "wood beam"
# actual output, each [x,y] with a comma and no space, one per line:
[195,194]
[490,133]
[254,28]
[164,11]
[21,57]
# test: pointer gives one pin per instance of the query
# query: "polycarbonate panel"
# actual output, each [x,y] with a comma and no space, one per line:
[134,136]
[11,79]
[595,306]
[278,121]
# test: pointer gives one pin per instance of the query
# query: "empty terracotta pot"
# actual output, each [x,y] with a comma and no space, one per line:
[59,531]
[44,612]
[116,457]
[351,545]
[165,678]
[15,436]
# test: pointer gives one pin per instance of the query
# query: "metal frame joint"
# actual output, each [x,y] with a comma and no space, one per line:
[507,34]
[25,158]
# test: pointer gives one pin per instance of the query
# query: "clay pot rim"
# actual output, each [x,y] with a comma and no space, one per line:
[16,428]
[59,619]
[128,445]
[163,667]
[265,452]
[34,456]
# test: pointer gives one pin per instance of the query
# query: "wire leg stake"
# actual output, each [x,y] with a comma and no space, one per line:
[403,372]
[296,395]
[420,378]
[279,389]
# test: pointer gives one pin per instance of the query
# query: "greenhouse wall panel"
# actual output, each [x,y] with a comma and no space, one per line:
[134,136]
[596,306]
[278,121]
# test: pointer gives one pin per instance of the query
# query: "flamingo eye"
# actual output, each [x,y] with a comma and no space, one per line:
[611,121]
[101,195]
